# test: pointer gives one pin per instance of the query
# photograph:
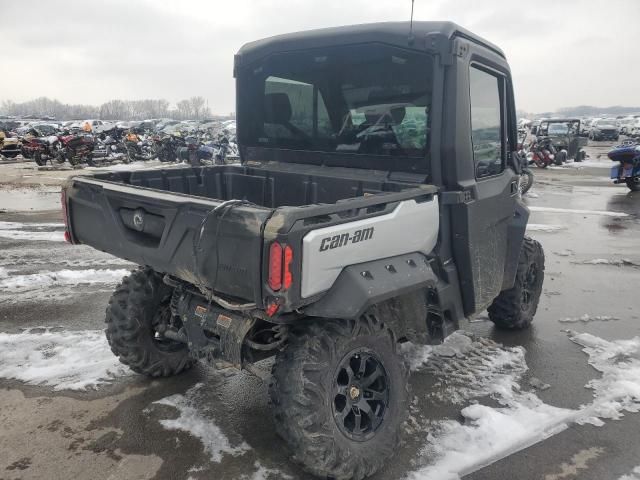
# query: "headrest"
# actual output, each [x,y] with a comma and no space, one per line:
[277,108]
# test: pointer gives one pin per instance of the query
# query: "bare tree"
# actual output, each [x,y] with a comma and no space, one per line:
[184,109]
[197,107]
[192,108]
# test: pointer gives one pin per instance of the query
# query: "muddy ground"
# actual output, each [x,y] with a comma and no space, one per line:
[211,423]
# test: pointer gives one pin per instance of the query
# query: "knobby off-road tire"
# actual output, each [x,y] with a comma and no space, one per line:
[136,306]
[526,181]
[516,307]
[312,392]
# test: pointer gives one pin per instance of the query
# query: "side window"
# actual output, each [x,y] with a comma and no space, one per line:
[486,122]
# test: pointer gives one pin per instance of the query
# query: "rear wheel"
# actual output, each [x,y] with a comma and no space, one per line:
[633,184]
[340,396]
[138,311]
[516,307]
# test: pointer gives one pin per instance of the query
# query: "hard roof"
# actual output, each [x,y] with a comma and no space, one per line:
[393,33]
[561,119]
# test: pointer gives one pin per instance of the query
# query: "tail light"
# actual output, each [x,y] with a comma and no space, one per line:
[275,266]
[287,276]
[280,260]
[65,216]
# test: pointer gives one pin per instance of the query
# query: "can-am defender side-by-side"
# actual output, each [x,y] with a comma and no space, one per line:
[377,202]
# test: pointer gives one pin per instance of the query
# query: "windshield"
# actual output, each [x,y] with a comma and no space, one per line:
[558,129]
[350,101]
[568,127]
[45,130]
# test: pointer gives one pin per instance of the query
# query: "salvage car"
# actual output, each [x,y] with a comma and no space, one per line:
[377,202]
[10,146]
[604,129]
[565,135]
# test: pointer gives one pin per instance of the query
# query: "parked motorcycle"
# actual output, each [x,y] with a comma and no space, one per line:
[543,153]
[526,179]
[628,169]
[137,148]
[195,153]
[109,145]
[167,146]
[39,147]
[76,148]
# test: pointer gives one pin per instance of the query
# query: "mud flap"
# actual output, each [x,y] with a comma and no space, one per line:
[515,235]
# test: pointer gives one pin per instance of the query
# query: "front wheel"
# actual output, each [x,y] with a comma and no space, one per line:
[633,184]
[138,311]
[340,396]
[526,181]
[37,157]
[516,307]
[539,162]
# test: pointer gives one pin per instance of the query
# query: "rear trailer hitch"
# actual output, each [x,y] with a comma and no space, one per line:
[215,334]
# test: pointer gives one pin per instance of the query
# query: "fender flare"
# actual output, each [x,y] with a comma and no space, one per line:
[360,286]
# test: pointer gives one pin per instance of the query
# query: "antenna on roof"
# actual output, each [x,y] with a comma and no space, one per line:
[411,25]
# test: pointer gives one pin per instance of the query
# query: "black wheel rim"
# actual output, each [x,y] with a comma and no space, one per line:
[360,395]
[529,286]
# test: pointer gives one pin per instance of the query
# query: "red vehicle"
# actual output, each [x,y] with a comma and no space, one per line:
[39,146]
[76,148]
[543,153]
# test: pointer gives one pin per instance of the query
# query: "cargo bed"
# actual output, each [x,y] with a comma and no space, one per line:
[207,226]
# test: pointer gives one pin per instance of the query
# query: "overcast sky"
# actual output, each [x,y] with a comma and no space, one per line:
[562,52]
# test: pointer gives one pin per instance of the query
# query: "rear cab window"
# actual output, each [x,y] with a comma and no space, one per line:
[362,105]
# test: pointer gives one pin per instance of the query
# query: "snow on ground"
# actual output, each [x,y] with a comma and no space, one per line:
[59,278]
[589,163]
[196,419]
[453,448]
[610,261]
[65,360]
[540,227]
[264,473]
[138,165]
[578,212]
[635,475]
[564,253]
[51,232]
[54,285]
[586,318]
[78,256]
[618,389]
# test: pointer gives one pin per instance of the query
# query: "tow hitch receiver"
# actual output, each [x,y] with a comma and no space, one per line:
[212,332]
